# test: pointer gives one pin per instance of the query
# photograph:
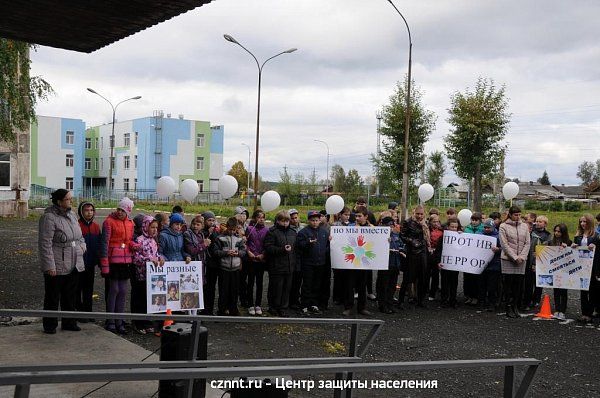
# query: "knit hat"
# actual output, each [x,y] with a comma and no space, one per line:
[292,211]
[208,214]
[489,223]
[240,210]
[176,218]
[126,205]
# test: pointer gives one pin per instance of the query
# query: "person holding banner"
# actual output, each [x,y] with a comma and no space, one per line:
[488,280]
[449,277]
[515,241]
[471,281]
[388,279]
[587,236]
[341,219]
[357,279]
[415,235]
[436,233]
[561,296]
[532,295]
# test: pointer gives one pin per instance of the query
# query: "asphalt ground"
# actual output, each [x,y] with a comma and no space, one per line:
[569,351]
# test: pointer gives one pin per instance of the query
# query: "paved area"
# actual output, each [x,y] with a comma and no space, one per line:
[26,344]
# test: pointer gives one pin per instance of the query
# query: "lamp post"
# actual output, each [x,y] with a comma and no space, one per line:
[260,68]
[406,121]
[248,173]
[112,135]
[323,142]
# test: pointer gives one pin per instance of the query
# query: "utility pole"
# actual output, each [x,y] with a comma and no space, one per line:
[378,170]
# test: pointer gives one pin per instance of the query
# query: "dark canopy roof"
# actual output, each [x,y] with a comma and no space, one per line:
[84,25]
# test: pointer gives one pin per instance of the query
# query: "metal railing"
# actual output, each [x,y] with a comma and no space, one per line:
[23,376]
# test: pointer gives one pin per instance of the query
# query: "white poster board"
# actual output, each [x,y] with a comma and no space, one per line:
[174,286]
[564,268]
[360,248]
[468,253]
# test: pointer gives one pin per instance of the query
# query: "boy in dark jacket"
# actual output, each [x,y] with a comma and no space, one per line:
[91,258]
[488,281]
[313,246]
[388,279]
[229,250]
[281,262]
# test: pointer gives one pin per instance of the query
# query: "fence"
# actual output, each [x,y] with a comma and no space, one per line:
[23,376]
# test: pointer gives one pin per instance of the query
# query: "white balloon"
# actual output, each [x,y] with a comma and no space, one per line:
[165,186]
[425,192]
[228,186]
[270,200]
[334,204]
[510,190]
[189,189]
[464,216]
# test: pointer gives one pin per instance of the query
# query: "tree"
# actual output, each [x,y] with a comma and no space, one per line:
[422,123]
[587,172]
[544,180]
[435,169]
[285,186]
[19,92]
[239,172]
[479,120]
[338,178]
[353,183]
[313,183]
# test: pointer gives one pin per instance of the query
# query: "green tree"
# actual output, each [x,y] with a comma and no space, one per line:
[435,169]
[338,178]
[544,180]
[239,172]
[313,183]
[286,185]
[422,123]
[19,91]
[587,172]
[353,183]
[479,120]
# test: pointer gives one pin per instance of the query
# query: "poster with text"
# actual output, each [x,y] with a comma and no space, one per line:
[174,286]
[564,268]
[360,248]
[468,253]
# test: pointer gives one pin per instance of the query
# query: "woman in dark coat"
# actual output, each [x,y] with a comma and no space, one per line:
[587,236]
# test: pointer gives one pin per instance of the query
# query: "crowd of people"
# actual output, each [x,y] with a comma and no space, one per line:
[237,253]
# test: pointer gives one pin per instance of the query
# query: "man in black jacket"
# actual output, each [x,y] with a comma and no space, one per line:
[415,237]
[313,246]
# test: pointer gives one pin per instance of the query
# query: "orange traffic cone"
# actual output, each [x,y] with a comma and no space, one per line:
[546,310]
[168,322]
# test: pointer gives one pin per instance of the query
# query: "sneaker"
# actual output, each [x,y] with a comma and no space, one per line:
[258,310]
[315,310]
[371,296]
[346,313]
[251,311]
[355,295]
[305,310]
[556,315]
[364,312]
[561,316]
[430,298]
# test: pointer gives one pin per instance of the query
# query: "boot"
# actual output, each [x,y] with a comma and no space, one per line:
[510,311]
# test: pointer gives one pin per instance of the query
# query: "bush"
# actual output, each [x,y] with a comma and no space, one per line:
[573,206]
[556,206]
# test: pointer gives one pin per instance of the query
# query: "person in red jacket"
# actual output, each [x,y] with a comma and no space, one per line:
[116,259]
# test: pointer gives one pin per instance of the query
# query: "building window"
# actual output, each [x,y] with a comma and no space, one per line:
[200,163]
[70,138]
[4,169]
[136,134]
[95,163]
[69,183]
[126,184]
[112,183]
[88,143]
[200,140]
[126,162]
[101,142]
[88,163]
[126,139]
[135,162]
[200,185]
[96,143]
[101,163]
[135,184]
[112,163]
[69,160]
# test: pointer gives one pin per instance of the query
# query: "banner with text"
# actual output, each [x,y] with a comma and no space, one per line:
[361,248]
[468,253]
[564,268]
[174,286]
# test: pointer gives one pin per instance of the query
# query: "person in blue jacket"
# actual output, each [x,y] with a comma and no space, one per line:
[313,246]
[388,279]
[170,240]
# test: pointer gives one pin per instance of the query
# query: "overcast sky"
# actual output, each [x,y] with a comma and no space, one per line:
[350,55]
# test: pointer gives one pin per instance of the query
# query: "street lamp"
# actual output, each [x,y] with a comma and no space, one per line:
[327,162]
[112,135]
[407,120]
[248,173]
[260,68]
